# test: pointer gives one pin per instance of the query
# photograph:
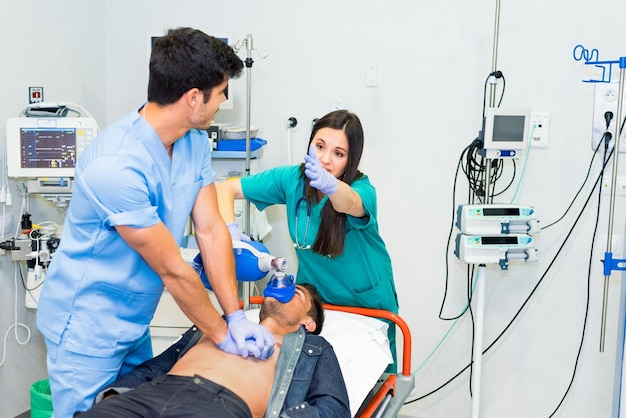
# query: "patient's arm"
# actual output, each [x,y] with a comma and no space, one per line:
[153,367]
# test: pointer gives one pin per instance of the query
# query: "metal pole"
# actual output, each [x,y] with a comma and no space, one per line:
[480,287]
[477,357]
[494,60]
[492,91]
[249,62]
[618,132]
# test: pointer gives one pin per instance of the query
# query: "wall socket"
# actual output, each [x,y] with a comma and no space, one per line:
[35,95]
[620,188]
[539,129]
[617,244]
[606,95]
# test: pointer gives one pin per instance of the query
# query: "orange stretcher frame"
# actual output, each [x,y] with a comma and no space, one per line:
[394,389]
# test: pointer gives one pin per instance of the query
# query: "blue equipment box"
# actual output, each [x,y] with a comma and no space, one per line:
[239,144]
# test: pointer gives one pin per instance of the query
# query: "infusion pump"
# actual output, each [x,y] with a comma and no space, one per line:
[497,219]
[495,249]
[496,234]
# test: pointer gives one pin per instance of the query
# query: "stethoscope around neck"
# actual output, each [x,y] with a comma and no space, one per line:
[304,245]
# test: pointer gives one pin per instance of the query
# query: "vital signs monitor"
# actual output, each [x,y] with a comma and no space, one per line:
[505,132]
[39,147]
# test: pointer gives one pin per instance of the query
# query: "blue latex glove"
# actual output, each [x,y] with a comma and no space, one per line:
[229,346]
[246,337]
[235,232]
[321,179]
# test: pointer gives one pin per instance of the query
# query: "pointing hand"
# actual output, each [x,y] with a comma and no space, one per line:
[321,179]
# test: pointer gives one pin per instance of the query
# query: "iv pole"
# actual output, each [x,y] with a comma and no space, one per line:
[249,61]
[608,256]
[609,263]
[480,286]
[247,228]
[492,90]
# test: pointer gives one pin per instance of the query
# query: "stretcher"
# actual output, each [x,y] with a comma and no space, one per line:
[385,397]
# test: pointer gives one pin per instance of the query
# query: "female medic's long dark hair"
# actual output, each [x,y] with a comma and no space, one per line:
[332,232]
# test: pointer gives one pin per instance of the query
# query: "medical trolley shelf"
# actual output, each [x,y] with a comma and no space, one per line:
[236,155]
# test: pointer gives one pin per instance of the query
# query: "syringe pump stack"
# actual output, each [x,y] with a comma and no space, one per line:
[496,234]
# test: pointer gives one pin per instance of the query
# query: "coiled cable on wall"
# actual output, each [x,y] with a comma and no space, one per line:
[15,325]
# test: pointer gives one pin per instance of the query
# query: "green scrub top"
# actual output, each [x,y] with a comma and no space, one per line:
[362,275]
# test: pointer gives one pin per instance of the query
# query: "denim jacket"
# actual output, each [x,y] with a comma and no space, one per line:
[308,380]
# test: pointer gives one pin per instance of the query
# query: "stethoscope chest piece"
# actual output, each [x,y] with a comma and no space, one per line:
[297,244]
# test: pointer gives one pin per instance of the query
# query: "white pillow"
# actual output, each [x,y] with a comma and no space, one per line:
[362,349]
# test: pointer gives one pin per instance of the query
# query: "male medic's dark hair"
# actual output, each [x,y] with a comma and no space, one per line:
[187,58]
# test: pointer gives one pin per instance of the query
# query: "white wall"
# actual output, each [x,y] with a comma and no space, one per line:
[433,59]
[57,45]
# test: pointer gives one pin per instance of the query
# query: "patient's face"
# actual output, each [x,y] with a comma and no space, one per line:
[290,314]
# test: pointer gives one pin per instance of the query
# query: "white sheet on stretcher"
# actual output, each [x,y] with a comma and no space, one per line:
[362,349]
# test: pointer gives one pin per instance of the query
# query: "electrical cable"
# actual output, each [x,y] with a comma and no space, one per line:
[25,284]
[57,109]
[445,335]
[512,200]
[475,172]
[474,168]
[582,337]
[577,193]
[605,138]
[501,167]
[14,326]
[503,88]
[469,170]
[497,75]
[471,373]
[46,228]
[447,272]
[519,311]
[17,228]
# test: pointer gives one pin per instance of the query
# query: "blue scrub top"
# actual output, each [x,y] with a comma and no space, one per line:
[98,290]
[362,275]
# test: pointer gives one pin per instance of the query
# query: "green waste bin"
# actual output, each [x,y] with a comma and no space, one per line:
[40,399]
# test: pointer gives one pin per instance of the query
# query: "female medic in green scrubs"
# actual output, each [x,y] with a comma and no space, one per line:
[331,215]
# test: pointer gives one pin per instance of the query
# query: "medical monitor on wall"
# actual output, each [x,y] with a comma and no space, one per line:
[505,132]
[46,146]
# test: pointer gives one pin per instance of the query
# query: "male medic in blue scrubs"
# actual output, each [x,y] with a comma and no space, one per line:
[135,188]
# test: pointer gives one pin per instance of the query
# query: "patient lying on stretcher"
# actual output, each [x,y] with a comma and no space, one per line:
[194,378]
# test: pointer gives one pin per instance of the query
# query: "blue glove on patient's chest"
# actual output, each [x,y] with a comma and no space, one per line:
[247,338]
